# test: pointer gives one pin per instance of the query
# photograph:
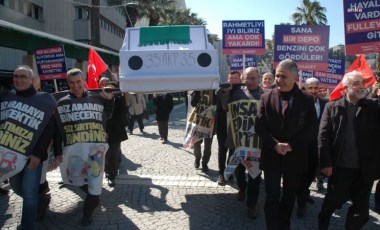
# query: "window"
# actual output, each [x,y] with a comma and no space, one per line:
[81,13]
[111,27]
[4,3]
[33,11]
[101,23]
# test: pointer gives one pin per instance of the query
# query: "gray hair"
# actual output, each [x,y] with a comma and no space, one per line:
[268,74]
[289,64]
[347,76]
[105,79]
[312,80]
[27,68]
[74,72]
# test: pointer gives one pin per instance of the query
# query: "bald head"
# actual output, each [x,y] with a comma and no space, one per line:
[251,77]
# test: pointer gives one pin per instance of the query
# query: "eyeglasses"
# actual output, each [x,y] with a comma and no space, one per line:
[21,77]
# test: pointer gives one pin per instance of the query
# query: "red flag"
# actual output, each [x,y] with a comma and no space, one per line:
[360,65]
[96,66]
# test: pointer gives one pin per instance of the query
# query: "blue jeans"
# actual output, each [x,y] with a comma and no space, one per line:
[26,184]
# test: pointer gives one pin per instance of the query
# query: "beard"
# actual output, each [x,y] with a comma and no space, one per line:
[357,94]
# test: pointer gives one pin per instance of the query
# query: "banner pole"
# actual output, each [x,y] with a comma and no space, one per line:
[243,62]
[55,85]
[300,79]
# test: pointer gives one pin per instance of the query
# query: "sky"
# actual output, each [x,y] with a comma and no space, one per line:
[273,12]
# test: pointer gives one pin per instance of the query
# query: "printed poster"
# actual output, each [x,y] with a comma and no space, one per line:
[22,121]
[241,116]
[201,122]
[308,46]
[84,164]
[362,26]
[85,141]
[243,37]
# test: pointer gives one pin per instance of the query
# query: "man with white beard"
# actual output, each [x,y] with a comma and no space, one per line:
[349,156]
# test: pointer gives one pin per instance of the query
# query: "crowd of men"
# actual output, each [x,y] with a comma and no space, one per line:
[303,137]
[297,131]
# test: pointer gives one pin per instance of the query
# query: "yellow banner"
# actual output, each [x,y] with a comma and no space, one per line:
[242,115]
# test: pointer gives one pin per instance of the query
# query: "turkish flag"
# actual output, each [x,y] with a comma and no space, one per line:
[95,68]
[360,65]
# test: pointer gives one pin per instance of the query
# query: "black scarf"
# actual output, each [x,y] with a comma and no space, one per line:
[84,94]
[26,93]
[287,95]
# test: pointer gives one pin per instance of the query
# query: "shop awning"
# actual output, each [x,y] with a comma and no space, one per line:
[22,38]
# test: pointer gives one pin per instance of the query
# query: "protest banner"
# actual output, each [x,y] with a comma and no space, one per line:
[51,63]
[241,118]
[236,61]
[21,127]
[200,123]
[243,37]
[308,46]
[329,79]
[83,163]
[362,26]
[81,122]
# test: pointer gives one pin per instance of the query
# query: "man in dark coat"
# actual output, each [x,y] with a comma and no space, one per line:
[28,116]
[164,106]
[303,195]
[221,124]
[376,96]
[203,101]
[349,156]
[248,187]
[286,123]
[117,133]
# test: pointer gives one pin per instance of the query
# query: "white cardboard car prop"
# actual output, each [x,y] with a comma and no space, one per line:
[168,58]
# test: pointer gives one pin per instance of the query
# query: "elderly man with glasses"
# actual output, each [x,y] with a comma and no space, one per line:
[26,129]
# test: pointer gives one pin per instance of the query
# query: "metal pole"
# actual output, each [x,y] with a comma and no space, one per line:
[55,85]
[243,62]
[300,79]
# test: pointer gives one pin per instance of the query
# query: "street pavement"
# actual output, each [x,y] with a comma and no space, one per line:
[158,188]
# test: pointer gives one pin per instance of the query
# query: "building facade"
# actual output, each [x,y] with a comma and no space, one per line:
[70,19]
[64,18]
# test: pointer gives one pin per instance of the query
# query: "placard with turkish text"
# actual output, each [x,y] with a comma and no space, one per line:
[362,26]
[243,37]
[308,46]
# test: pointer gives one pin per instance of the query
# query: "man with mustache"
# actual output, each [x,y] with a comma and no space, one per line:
[348,153]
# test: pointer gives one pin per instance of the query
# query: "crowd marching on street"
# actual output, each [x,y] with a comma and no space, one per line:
[275,138]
